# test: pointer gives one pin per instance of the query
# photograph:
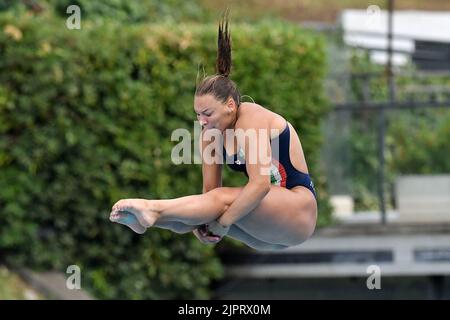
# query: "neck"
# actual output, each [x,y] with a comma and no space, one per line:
[236,116]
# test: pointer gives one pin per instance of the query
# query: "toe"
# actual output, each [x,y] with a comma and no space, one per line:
[119,205]
[113,216]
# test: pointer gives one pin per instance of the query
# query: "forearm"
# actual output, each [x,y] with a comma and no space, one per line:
[248,199]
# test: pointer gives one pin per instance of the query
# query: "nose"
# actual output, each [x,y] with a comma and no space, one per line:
[202,121]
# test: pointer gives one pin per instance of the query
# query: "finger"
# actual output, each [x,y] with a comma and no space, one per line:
[213,239]
[203,230]
[199,236]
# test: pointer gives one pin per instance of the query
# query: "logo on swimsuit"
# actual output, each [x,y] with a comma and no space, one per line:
[277,174]
[275,177]
[240,156]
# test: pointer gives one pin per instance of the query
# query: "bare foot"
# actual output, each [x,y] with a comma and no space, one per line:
[144,210]
[127,219]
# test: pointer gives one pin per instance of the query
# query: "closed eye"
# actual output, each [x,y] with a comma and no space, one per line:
[208,115]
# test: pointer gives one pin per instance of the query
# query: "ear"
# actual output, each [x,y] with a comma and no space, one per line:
[231,104]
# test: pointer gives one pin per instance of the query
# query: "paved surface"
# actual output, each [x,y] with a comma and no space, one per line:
[52,285]
[349,250]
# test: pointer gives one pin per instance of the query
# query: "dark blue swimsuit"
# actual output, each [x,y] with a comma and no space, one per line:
[283,173]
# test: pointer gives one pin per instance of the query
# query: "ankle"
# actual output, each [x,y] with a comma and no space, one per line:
[153,205]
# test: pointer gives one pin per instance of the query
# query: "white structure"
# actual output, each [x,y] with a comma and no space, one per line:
[409,25]
[342,206]
[423,198]
[346,256]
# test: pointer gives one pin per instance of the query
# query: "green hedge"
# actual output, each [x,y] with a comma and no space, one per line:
[86,118]
[119,10]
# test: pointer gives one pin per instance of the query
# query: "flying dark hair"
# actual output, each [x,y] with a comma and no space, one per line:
[220,85]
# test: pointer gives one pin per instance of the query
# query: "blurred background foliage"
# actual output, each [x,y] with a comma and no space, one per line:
[417,140]
[122,11]
[86,118]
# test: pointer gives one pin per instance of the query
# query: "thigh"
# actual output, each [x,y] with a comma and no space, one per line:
[238,234]
[283,216]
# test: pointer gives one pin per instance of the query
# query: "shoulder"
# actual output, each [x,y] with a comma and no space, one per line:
[253,115]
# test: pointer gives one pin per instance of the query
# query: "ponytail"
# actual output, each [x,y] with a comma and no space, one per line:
[220,85]
[223,64]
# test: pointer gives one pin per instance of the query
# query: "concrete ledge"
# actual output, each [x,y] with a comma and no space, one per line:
[343,251]
[52,285]
[393,228]
[330,271]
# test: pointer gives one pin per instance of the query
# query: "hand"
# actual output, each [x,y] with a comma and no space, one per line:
[205,236]
[217,229]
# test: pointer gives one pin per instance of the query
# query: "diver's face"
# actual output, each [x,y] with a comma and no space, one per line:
[212,113]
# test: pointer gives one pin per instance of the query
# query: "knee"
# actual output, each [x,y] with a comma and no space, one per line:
[310,224]
[222,195]
[306,232]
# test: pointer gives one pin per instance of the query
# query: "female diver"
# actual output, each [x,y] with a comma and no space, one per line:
[277,207]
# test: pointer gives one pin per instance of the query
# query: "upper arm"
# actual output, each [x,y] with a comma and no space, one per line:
[258,154]
[211,172]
